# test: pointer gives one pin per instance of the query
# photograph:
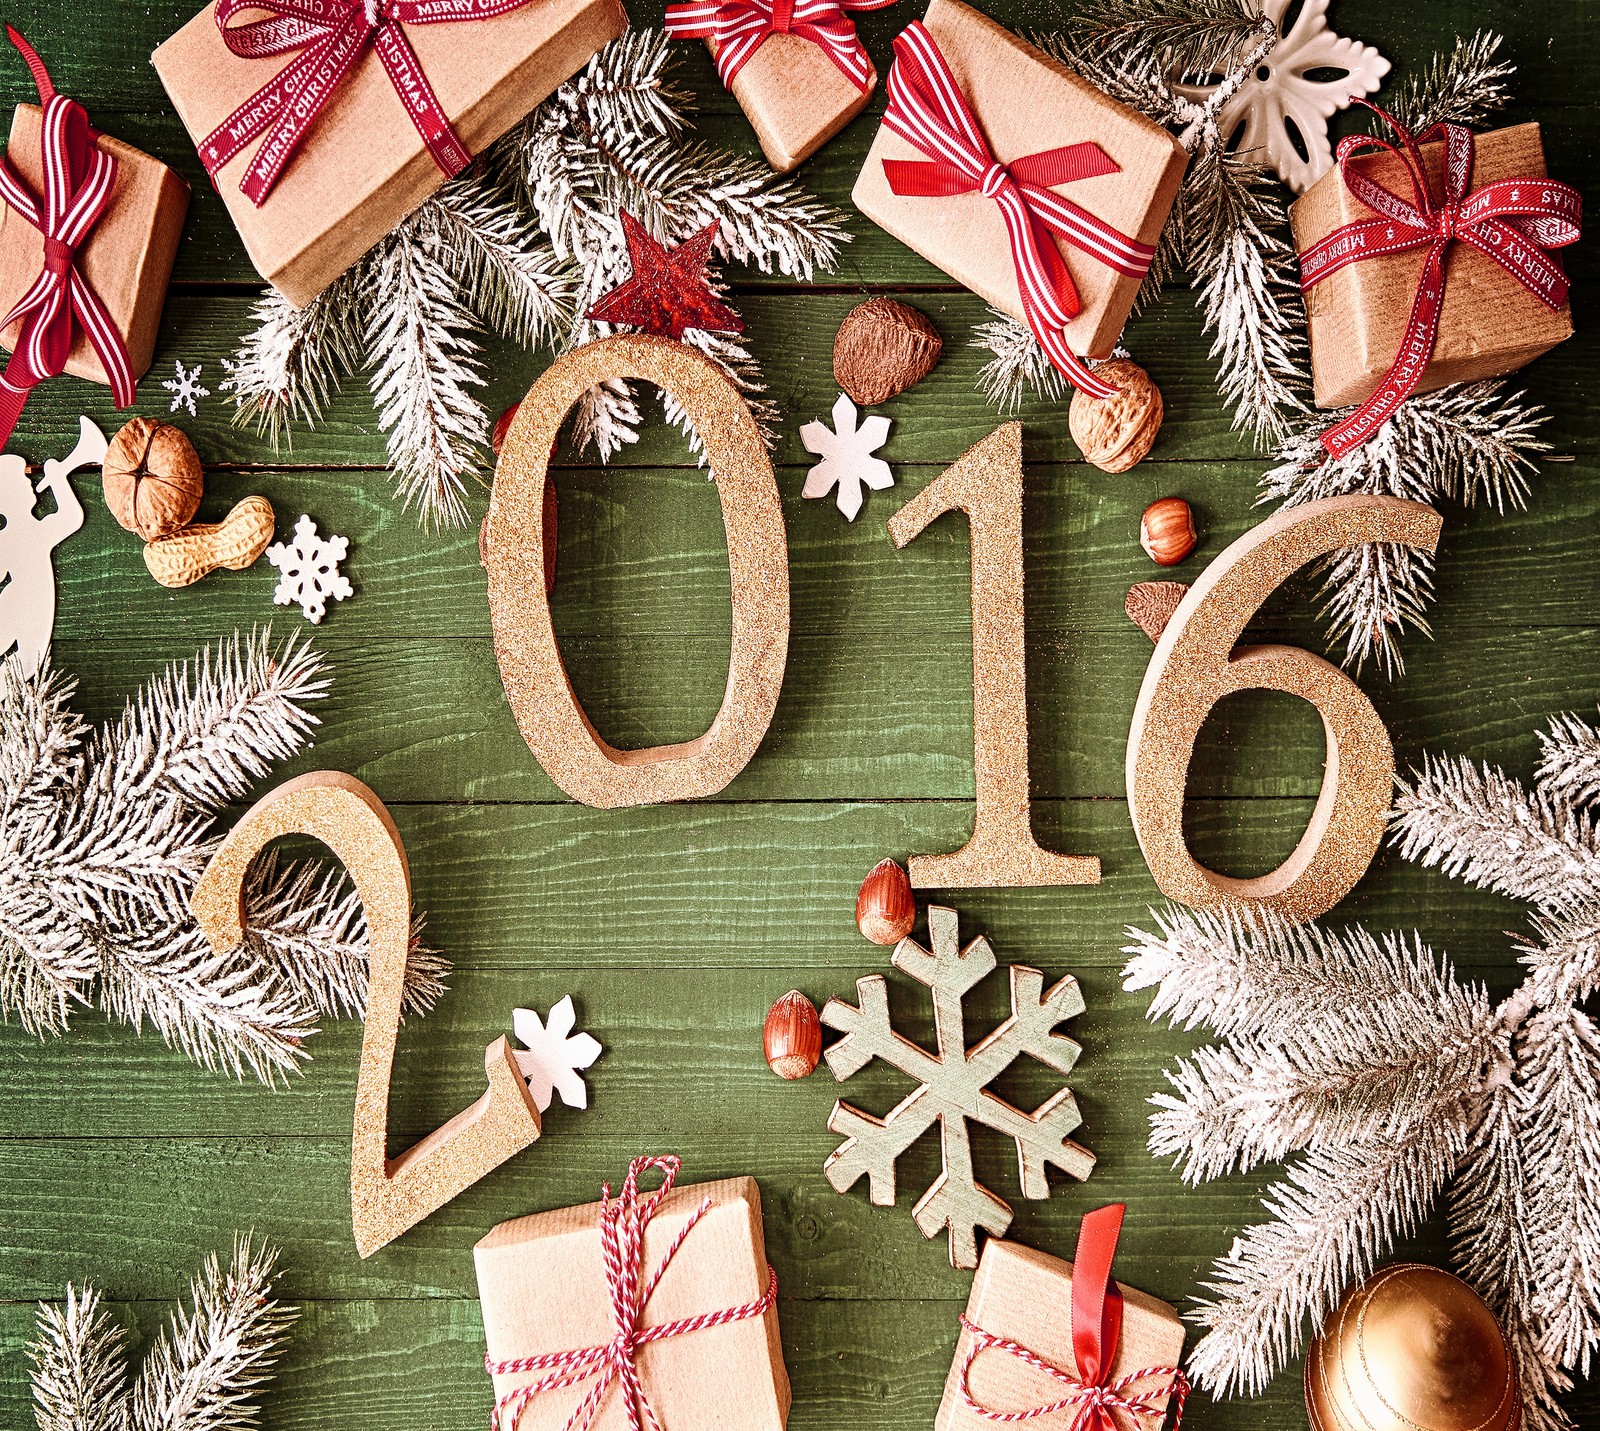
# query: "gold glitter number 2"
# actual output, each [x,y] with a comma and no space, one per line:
[546,707]
[1196,664]
[986,484]
[387,1195]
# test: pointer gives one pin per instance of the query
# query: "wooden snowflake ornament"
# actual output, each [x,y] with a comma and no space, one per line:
[1281,102]
[552,1055]
[952,1087]
[846,450]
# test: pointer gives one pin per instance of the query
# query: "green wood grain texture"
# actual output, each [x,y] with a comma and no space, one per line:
[675,927]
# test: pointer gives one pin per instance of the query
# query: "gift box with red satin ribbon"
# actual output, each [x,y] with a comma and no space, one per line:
[1059,1346]
[1360,299]
[797,67]
[653,1309]
[1020,180]
[323,123]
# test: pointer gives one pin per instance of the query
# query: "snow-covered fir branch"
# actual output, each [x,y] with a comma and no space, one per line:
[1466,86]
[204,1372]
[1570,769]
[1189,38]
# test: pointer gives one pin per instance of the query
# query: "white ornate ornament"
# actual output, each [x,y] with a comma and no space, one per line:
[552,1054]
[1281,99]
[309,570]
[846,451]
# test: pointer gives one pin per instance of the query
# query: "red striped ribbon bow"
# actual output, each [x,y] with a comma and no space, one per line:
[78,178]
[1513,221]
[928,110]
[1096,1332]
[741,27]
[329,38]
[622,1225]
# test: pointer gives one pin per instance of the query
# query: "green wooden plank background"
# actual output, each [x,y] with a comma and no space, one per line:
[675,927]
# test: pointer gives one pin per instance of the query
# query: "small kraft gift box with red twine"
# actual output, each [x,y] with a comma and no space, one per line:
[1428,261]
[648,1311]
[1110,1363]
[797,67]
[323,123]
[89,228]
[1022,181]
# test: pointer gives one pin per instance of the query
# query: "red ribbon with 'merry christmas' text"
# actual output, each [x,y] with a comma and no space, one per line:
[78,178]
[329,37]
[1513,221]
[741,27]
[927,109]
[622,1224]
[1096,1333]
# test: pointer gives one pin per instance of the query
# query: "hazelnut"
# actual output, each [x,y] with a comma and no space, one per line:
[792,1036]
[152,478]
[1166,531]
[886,910]
[1117,432]
[884,347]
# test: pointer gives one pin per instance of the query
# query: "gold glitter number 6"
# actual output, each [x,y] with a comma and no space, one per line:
[1196,664]
[986,484]
[546,707]
[387,1195]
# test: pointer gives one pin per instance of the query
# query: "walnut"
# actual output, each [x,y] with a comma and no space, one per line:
[153,479]
[883,348]
[1117,432]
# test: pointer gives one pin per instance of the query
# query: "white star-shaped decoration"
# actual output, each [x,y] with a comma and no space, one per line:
[847,462]
[552,1054]
[1281,99]
[185,388]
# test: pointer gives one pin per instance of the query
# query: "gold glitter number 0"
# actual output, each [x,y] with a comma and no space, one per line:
[387,1195]
[546,707]
[986,484]
[1196,664]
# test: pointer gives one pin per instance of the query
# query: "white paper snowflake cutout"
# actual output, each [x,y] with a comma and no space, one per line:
[185,388]
[553,1054]
[309,570]
[846,451]
[1280,93]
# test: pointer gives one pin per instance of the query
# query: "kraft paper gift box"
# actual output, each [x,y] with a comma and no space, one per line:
[1489,323]
[1026,1297]
[363,166]
[126,259]
[795,98]
[542,1286]
[1026,102]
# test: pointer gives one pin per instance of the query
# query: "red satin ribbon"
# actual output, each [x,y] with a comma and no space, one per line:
[1096,1333]
[330,37]
[1513,221]
[78,178]
[927,109]
[741,27]
[622,1227]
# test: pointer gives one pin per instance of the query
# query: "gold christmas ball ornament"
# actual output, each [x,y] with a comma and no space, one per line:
[1412,1349]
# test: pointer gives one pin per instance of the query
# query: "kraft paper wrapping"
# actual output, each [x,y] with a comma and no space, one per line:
[1027,1296]
[1026,102]
[543,1289]
[127,258]
[1489,324]
[796,98]
[364,167]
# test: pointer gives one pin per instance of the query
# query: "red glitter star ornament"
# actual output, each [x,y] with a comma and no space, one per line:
[669,290]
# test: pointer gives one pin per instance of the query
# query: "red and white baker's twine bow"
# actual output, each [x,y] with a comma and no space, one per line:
[1093,1404]
[741,27]
[1513,221]
[622,1225]
[330,37]
[927,109]
[78,179]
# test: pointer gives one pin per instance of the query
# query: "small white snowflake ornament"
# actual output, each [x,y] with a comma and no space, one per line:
[308,570]
[846,451]
[1281,99]
[553,1054]
[185,388]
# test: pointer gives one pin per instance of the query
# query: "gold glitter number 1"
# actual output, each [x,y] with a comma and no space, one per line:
[387,1195]
[986,484]
[1196,664]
